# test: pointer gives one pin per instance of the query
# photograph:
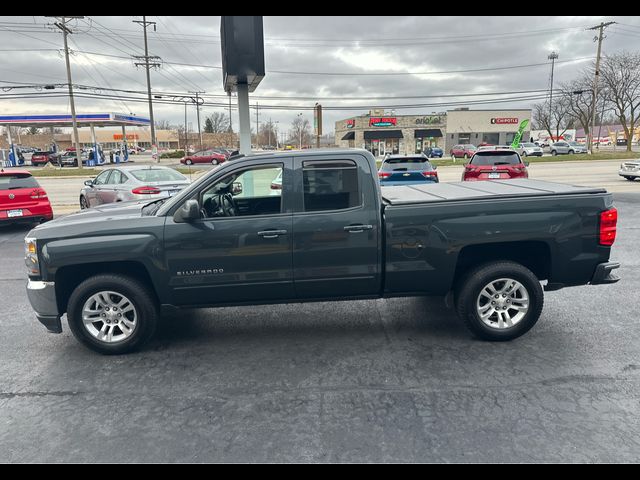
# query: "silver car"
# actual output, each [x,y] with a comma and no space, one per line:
[564,148]
[124,184]
[630,170]
[529,150]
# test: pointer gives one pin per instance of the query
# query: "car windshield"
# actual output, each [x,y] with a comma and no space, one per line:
[574,144]
[495,158]
[157,175]
[15,181]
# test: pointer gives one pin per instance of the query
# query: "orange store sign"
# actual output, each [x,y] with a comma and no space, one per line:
[130,136]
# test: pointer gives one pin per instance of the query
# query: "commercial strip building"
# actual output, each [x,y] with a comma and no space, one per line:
[381,132]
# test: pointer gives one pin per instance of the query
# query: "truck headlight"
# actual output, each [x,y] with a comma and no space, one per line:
[31,256]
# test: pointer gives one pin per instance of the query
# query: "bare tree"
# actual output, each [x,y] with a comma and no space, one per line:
[300,132]
[163,125]
[218,122]
[578,95]
[268,133]
[620,82]
[555,121]
[32,131]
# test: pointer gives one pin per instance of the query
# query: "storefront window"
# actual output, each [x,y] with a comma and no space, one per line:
[464,138]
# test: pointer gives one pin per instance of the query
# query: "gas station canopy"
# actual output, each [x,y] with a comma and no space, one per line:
[83,120]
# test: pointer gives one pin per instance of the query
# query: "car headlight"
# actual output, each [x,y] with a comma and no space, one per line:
[31,256]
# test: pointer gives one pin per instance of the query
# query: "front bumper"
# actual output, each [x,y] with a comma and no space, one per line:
[42,296]
[603,274]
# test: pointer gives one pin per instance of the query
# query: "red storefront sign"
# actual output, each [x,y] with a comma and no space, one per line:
[382,121]
[130,136]
[504,121]
[351,123]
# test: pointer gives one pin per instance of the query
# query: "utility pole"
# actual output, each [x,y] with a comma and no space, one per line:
[197,102]
[155,62]
[552,56]
[599,38]
[230,120]
[62,25]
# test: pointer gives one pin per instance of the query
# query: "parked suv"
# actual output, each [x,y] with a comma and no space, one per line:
[501,163]
[463,151]
[43,157]
[529,150]
[566,148]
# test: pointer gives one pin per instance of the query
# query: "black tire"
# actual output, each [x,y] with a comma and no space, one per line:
[139,295]
[571,152]
[554,153]
[631,179]
[214,162]
[471,285]
[188,162]
[465,156]
[84,203]
[524,153]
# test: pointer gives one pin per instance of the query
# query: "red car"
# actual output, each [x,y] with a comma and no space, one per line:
[42,158]
[495,164]
[22,199]
[462,151]
[207,156]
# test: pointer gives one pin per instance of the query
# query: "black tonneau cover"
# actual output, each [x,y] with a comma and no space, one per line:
[441,192]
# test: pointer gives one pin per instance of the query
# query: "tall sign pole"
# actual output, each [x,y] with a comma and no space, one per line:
[599,39]
[317,123]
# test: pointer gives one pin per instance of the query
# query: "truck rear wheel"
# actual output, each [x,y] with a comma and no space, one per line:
[112,314]
[499,301]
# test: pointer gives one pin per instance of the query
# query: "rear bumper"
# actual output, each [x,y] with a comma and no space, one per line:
[603,274]
[42,297]
[629,173]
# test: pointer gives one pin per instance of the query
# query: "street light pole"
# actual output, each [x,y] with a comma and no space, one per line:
[552,56]
[300,129]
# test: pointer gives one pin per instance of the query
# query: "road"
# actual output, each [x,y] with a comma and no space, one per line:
[64,192]
[396,380]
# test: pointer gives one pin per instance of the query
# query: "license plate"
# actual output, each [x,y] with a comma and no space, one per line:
[494,175]
[14,213]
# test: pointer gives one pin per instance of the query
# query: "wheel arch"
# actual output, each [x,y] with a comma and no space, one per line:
[69,277]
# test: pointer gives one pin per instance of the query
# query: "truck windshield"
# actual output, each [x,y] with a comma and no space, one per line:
[495,158]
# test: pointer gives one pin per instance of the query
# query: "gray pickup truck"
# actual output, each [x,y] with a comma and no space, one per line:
[316,226]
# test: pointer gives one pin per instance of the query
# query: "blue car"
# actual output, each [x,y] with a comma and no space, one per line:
[407,170]
[433,152]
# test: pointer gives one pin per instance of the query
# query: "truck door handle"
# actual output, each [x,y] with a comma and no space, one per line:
[357,228]
[272,233]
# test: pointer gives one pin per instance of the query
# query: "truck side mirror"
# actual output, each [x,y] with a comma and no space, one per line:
[236,188]
[188,212]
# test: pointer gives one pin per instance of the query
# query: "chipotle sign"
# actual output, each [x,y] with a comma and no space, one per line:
[504,121]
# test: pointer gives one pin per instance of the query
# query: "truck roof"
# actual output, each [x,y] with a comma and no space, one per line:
[441,192]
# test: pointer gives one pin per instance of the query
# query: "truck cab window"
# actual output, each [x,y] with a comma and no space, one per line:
[330,185]
[252,191]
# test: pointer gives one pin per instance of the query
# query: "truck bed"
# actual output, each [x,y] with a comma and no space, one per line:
[460,191]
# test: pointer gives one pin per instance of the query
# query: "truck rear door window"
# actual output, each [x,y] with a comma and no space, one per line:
[330,185]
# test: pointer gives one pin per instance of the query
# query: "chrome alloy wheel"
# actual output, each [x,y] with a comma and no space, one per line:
[109,317]
[502,303]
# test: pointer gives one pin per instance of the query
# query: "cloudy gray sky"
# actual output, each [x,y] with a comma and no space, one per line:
[341,62]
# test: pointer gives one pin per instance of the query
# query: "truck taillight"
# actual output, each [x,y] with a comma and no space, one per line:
[146,190]
[608,227]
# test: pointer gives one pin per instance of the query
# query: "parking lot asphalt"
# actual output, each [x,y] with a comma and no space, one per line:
[396,380]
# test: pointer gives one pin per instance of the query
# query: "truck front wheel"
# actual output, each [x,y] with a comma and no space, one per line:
[499,301]
[112,313]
